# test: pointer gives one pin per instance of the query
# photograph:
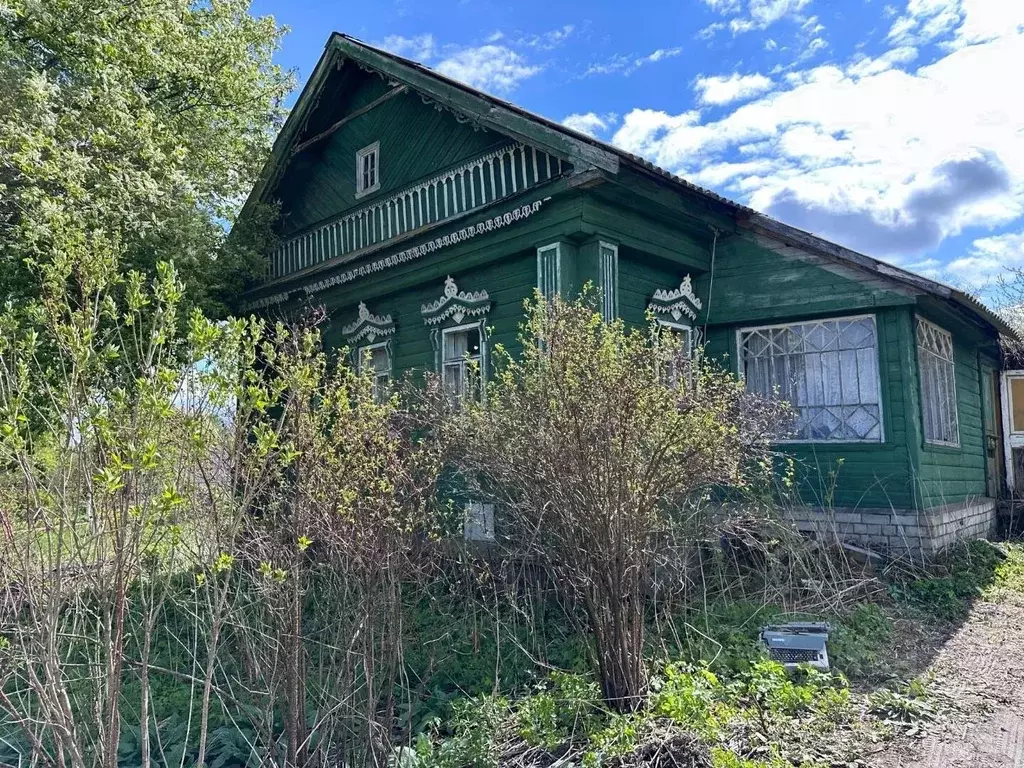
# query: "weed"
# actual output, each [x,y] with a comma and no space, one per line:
[963,573]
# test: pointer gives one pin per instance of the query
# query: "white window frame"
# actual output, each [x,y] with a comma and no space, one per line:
[678,328]
[920,381]
[480,327]
[373,149]
[547,291]
[608,272]
[878,375]
[478,522]
[361,353]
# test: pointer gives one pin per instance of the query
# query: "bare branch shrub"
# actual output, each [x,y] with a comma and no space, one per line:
[598,444]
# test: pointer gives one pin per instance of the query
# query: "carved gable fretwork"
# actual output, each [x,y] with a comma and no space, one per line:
[455,305]
[368,328]
[677,303]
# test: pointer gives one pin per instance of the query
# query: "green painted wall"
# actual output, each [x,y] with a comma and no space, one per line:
[416,140]
[751,284]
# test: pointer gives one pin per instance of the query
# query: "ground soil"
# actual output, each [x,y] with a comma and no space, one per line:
[978,671]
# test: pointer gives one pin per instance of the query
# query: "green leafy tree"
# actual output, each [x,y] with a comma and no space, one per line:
[599,445]
[129,135]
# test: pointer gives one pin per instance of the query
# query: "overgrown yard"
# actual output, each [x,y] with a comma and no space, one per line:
[208,560]
[927,673]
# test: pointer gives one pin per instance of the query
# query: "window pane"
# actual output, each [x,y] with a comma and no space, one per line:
[827,370]
[1017,404]
[936,369]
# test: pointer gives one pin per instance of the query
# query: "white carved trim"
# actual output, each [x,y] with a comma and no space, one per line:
[677,302]
[481,181]
[456,305]
[409,254]
[368,326]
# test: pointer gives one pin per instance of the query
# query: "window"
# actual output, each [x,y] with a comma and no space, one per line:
[461,360]
[608,256]
[368,169]
[479,522]
[549,272]
[376,358]
[1016,404]
[685,336]
[938,384]
[826,369]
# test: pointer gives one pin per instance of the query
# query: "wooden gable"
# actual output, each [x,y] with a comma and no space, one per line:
[356,109]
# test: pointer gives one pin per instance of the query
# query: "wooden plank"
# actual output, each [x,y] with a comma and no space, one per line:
[348,118]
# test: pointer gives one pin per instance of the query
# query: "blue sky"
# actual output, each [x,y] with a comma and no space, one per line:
[896,128]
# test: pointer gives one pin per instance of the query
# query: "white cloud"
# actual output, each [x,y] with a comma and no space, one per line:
[546,40]
[590,123]
[419,48]
[767,12]
[871,155]
[490,67]
[924,20]
[627,65]
[723,6]
[758,14]
[720,90]
[658,55]
[866,66]
[988,260]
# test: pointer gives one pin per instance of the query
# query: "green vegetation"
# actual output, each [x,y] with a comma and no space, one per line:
[129,132]
[948,586]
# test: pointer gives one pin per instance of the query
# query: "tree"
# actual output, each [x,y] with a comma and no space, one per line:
[595,444]
[129,134]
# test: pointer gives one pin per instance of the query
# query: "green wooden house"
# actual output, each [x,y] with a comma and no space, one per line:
[421,213]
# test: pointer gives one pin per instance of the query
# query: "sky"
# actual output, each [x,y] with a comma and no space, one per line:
[894,128]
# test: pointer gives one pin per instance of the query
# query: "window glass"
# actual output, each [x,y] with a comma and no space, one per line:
[938,384]
[367,171]
[461,360]
[376,358]
[826,369]
[1017,404]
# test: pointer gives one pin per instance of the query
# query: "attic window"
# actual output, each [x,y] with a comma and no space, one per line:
[368,169]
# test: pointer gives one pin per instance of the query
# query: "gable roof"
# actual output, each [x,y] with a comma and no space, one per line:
[584,150]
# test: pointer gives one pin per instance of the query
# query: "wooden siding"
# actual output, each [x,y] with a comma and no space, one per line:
[755,283]
[508,282]
[949,474]
[415,140]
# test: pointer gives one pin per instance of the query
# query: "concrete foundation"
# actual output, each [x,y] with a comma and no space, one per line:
[899,531]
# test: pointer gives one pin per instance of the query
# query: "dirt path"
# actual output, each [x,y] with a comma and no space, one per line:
[981,670]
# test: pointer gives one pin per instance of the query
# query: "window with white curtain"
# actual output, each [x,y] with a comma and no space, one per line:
[826,369]
[461,360]
[937,374]
[376,358]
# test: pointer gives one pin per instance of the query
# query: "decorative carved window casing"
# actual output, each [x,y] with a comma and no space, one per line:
[369,337]
[458,323]
[677,305]
[937,374]
[826,369]
[368,169]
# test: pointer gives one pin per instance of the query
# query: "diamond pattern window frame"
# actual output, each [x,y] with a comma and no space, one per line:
[826,335]
[936,377]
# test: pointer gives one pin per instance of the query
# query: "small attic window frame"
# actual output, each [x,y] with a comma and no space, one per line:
[371,152]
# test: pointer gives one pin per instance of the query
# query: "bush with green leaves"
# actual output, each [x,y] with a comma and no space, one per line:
[597,443]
